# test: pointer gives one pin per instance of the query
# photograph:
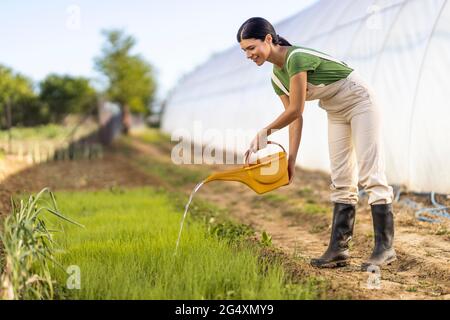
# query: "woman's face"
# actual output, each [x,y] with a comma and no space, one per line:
[256,49]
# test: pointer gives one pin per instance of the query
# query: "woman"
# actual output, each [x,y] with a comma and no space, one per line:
[301,74]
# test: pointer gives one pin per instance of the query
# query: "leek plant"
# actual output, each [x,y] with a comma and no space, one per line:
[27,249]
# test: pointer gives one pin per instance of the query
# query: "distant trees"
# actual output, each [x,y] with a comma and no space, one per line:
[18,101]
[131,84]
[130,78]
[65,94]
[21,105]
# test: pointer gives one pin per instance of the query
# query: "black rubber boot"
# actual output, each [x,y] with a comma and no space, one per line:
[341,233]
[383,227]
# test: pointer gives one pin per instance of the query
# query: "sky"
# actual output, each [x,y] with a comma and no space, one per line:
[174,36]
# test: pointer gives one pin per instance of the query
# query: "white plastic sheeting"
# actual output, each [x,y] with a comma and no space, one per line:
[400,47]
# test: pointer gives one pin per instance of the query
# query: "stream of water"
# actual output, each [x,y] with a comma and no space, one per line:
[185,212]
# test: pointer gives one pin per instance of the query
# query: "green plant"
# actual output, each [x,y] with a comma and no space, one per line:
[127,252]
[231,231]
[312,208]
[28,249]
[266,239]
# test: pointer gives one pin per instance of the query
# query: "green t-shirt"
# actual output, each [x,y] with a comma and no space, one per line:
[319,69]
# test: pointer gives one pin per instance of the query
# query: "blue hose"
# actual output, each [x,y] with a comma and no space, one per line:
[438,210]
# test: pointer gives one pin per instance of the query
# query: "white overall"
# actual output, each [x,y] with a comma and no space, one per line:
[354,137]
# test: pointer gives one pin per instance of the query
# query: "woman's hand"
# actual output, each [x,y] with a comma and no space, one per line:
[291,168]
[258,143]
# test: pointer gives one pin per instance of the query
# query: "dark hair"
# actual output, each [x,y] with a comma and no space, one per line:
[258,28]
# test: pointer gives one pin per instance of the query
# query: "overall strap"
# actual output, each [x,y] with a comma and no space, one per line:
[317,54]
[279,84]
[314,53]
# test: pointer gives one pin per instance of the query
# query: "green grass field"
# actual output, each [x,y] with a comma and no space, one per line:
[49,131]
[127,249]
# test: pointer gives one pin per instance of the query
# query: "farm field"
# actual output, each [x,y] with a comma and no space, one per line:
[127,251]
[132,200]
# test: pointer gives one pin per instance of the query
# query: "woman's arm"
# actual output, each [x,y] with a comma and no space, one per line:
[294,111]
[295,131]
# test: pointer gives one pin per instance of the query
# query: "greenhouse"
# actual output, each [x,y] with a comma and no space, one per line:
[400,47]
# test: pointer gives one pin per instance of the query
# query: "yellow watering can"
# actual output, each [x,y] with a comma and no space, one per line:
[268,173]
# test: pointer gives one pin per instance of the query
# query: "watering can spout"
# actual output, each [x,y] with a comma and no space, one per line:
[267,174]
[230,175]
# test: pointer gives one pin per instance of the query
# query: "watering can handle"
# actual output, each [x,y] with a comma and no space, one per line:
[268,142]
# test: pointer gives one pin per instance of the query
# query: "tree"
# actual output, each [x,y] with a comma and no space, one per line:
[18,102]
[131,82]
[66,94]
[14,87]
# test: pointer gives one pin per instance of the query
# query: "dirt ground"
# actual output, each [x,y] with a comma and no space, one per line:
[297,216]
[112,171]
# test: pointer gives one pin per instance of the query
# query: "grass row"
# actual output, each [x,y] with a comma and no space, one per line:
[48,131]
[127,252]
